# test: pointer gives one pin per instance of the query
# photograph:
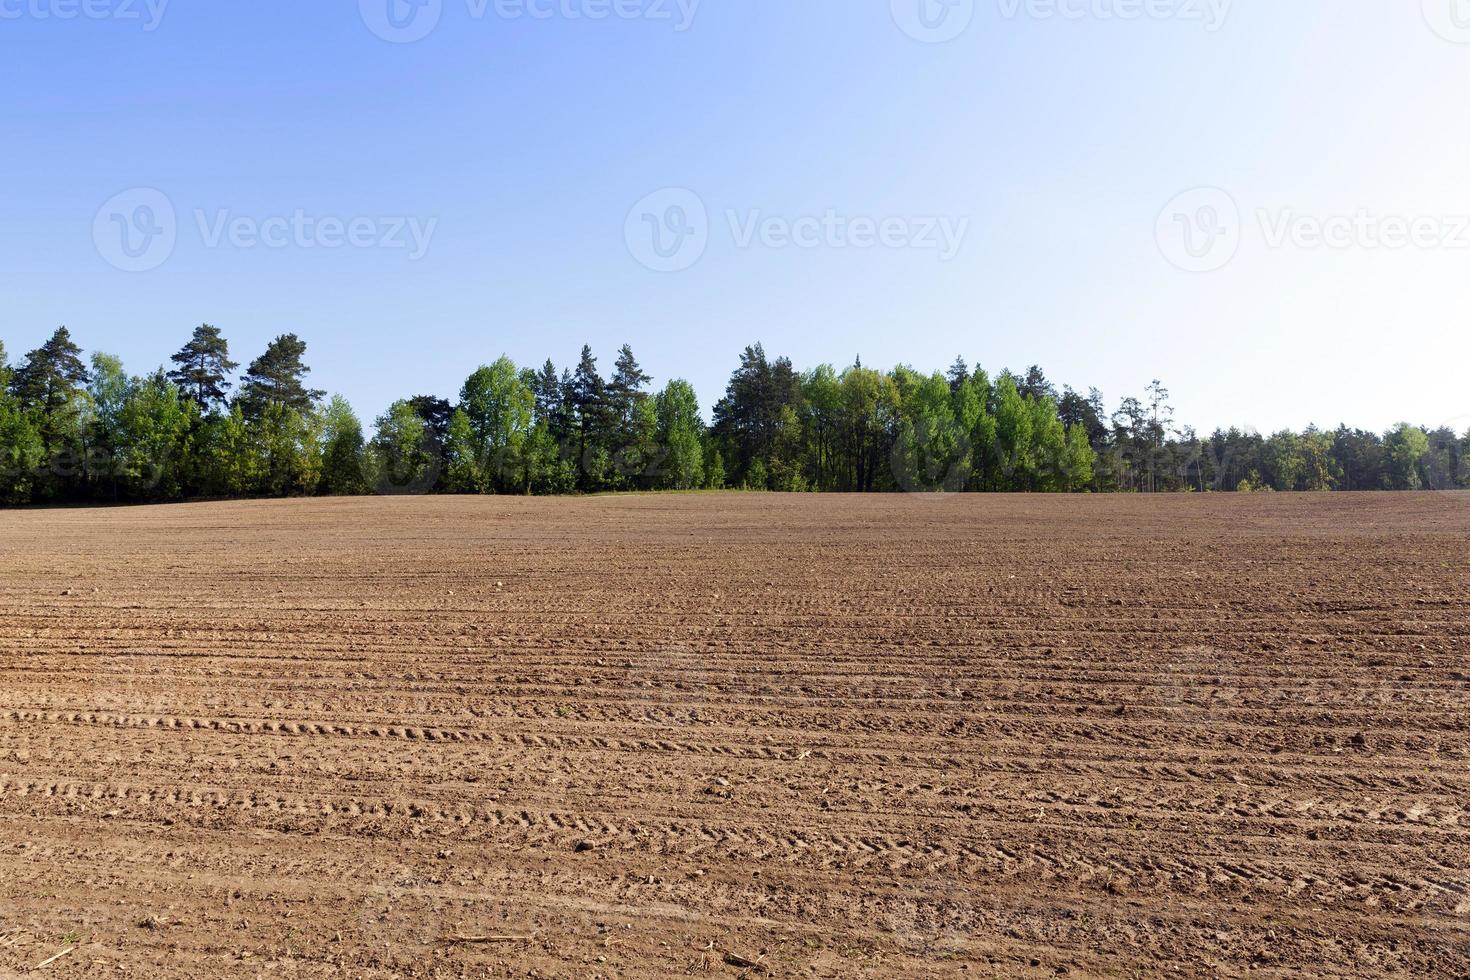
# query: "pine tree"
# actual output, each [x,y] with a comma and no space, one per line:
[203,365]
[959,373]
[49,383]
[627,384]
[1035,385]
[277,377]
[633,424]
[587,394]
[548,393]
[51,374]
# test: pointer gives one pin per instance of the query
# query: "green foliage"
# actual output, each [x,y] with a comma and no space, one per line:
[1078,461]
[277,378]
[932,451]
[22,451]
[750,418]
[1407,446]
[463,472]
[497,406]
[343,447]
[630,414]
[50,375]
[70,433]
[1049,445]
[680,437]
[639,460]
[1013,433]
[231,465]
[288,442]
[154,426]
[50,386]
[401,460]
[1254,483]
[714,467]
[1319,470]
[204,364]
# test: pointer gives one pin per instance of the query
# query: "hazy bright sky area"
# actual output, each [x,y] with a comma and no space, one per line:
[905,180]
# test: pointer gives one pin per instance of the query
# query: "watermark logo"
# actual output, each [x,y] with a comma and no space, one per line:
[137,230]
[148,13]
[1199,230]
[401,21]
[668,231]
[933,21]
[1450,19]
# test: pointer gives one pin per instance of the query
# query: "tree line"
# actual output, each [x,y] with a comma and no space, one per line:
[78,430]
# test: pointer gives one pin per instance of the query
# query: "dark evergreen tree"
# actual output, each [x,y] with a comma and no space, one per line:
[554,408]
[277,377]
[48,385]
[750,419]
[203,365]
[625,398]
[549,396]
[50,375]
[625,389]
[1035,385]
[959,373]
[436,413]
[589,402]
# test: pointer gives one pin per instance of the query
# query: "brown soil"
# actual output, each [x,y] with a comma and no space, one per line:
[738,735]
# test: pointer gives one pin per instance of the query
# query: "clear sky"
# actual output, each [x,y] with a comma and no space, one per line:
[1011,194]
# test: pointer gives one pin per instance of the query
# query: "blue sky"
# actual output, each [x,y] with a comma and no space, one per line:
[1063,144]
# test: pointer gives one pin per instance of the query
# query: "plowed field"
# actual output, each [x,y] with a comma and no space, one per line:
[738,735]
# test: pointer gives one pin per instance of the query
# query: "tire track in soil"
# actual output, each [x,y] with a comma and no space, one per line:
[1213,736]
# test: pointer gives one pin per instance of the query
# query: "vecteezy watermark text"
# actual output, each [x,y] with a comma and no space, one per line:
[1202,230]
[302,230]
[1211,14]
[830,229]
[138,230]
[148,13]
[407,21]
[669,231]
[1363,229]
[939,21]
